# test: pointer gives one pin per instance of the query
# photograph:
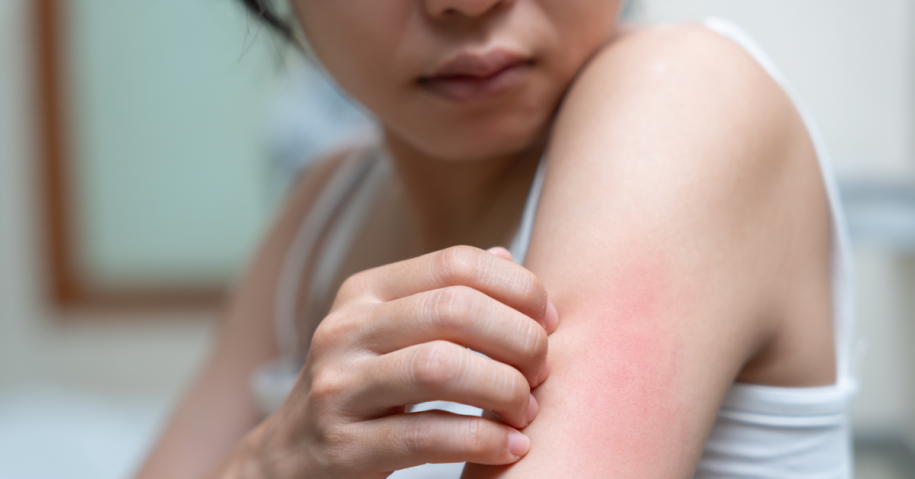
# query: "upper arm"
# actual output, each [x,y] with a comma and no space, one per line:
[218,409]
[659,240]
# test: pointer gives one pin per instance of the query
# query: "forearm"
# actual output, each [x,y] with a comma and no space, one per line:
[256,458]
[208,425]
[243,463]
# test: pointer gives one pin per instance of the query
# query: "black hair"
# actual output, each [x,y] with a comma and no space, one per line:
[266,11]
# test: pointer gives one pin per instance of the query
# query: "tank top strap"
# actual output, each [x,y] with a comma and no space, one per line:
[522,239]
[341,234]
[341,186]
[272,382]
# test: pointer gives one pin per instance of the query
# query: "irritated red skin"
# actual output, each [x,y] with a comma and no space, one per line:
[622,366]
[608,406]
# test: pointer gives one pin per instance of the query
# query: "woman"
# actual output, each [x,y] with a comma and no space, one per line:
[684,233]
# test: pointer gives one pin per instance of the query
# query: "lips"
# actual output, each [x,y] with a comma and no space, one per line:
[472,76]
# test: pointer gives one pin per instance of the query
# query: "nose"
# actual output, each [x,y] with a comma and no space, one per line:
[468,8]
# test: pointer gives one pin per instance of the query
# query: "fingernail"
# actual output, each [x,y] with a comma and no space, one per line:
[501,252]
[551,321]
[543,374]
[518,444]
[532,408]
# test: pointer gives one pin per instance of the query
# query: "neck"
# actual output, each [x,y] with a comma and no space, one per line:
[474,202]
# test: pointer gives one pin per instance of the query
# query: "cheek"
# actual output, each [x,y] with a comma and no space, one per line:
[583,21]
[355,40]
[580,28]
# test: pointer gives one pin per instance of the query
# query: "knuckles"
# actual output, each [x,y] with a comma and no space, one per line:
[328,334]
[478,440]
[460,264]
[453,308]
[340,328]
[433,364]
[464,265]
[418,440]
[326,386]
[337,447]
[460,309]
[353,286]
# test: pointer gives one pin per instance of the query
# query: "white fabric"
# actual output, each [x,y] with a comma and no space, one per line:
[522,238]
[272,382]
[340,238]
[761,432]
[773,432]
[339,187]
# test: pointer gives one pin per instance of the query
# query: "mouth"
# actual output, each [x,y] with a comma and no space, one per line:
[472,76]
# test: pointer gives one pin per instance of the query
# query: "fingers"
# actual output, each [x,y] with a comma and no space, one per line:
[440,370]
[463,316]
[501,252]
[486,272]
[407,440]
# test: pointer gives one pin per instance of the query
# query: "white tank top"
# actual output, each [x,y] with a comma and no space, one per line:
[760,432]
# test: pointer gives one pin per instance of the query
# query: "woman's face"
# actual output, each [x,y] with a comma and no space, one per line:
[458,79]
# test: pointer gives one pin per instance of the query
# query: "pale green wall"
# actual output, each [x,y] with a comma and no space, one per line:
[169,99]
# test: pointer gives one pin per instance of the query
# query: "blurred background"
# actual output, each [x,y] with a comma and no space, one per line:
[146,144]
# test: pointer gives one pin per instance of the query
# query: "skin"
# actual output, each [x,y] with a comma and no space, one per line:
[683,235]
[674,281]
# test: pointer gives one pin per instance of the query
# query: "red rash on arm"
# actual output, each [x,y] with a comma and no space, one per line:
[624,363]
[616,359]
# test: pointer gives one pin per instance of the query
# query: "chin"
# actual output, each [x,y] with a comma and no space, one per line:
[477,141]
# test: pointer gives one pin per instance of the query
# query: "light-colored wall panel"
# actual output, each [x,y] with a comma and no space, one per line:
[885,403]
[120,353]
[851,61]
[169,100]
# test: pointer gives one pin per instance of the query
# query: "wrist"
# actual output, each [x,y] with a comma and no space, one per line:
[253,458]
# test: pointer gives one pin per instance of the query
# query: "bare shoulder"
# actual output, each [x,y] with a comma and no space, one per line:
[312,179]
[691,149]
[684,77]
[690,115]
[690,55]
[676,144]
[693,44]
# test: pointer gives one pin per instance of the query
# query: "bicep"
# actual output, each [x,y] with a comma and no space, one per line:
[637,372]
[639,365]
[653,245]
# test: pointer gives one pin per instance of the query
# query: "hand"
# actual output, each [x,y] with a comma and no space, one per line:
[399,335]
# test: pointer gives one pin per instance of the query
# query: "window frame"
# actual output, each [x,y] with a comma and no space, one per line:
[66,287]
